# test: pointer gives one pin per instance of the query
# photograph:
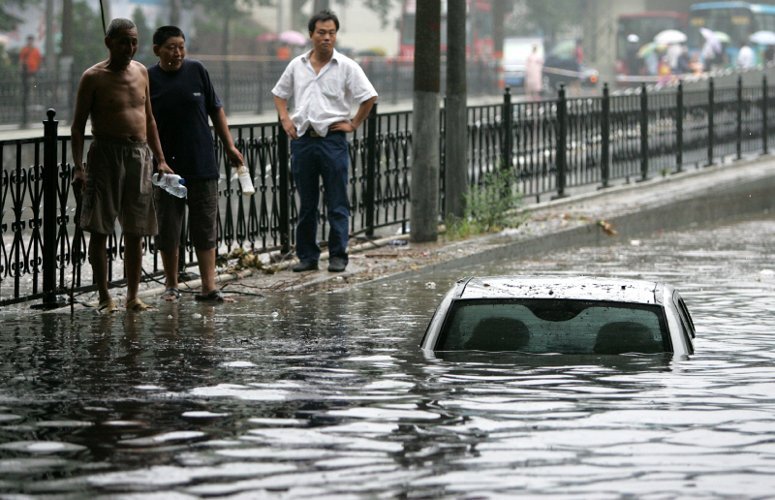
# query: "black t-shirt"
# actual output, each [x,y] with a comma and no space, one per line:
[182,101]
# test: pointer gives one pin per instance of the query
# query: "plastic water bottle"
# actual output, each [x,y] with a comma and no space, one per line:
[172,183]
[245,182]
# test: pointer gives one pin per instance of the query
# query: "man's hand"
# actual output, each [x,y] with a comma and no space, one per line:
[344,126]
[289,127]
[235,156]
[164,168]
[79,181]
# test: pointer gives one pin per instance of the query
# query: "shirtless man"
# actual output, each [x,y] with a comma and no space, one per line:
[114,94]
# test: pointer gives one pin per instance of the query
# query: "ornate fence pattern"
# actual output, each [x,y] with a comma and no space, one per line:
[548,146]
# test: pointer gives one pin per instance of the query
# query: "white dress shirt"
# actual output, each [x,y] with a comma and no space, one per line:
[323,99]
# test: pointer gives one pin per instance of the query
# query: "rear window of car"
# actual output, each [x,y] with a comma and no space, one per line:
[554,326]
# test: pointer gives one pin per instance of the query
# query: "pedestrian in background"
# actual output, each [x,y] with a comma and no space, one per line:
[29,65]
[183,97]
[534,74]
[324,84]
[117,180]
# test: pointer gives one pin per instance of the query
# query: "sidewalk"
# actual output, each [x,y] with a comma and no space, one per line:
[599,217]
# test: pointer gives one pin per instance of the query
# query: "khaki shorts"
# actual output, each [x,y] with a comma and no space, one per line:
[202,203]
[118,185]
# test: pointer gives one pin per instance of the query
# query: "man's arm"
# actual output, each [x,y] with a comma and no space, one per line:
[352,125]
[221,126]
[285,120]
[83,103]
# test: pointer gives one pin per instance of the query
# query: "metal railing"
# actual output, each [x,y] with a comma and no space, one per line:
[549,147]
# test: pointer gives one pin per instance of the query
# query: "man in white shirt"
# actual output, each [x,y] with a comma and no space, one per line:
[324,84]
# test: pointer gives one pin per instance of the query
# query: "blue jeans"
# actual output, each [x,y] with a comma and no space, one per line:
[327,158]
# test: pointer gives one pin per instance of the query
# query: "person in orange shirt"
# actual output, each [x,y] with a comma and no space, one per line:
[29,57]
[29,63]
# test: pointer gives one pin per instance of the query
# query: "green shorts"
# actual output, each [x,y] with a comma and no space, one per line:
[118,186]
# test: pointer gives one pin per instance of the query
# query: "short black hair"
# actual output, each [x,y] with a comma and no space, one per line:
[119,24]
[323,15]
[164,33]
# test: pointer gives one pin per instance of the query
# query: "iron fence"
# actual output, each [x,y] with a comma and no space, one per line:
[547,146]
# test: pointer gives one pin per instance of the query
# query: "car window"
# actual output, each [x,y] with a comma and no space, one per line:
[554,326]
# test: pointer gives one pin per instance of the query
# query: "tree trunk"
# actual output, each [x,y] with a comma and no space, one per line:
[226,69]
[455,154]
[425,127]
[175,9]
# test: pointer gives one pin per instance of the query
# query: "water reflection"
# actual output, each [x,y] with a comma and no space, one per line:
[327,394]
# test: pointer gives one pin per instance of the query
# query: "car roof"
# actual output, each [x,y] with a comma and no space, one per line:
[560,287]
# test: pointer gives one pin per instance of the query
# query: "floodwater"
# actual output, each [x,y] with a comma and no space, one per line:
[328,396]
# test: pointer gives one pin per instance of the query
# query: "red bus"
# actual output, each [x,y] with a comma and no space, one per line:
[479,28]
[644,25]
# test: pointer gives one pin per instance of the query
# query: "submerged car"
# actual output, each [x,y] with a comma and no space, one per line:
[563,315]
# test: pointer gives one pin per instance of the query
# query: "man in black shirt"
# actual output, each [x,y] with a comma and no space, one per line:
[183,97]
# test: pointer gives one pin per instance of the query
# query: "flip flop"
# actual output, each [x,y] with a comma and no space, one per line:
[107,306]
[137,305]
[171,294]
[214,296]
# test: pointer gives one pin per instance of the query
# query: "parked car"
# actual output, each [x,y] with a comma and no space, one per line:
[559,71]
[564,315]
[561,67]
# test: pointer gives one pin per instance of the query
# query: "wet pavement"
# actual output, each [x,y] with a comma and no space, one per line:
[313,385]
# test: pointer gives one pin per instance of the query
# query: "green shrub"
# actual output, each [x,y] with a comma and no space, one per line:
[489,206]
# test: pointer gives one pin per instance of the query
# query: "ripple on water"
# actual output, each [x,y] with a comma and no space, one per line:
[41,447]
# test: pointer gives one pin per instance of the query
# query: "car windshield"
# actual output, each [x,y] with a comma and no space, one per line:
[554,326]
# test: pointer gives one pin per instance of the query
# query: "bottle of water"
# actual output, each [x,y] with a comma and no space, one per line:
[245,182]
[172,183]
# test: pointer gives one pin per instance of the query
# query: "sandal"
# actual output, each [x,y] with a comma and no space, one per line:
[214,296]
[137,305]
[107,306]
[171,294]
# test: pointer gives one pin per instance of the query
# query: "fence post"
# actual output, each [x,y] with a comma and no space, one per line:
[765,131]
[679,127]
[284,194]
[605,131]
[508,120]
[50,200]
[711,133]
[562,116]
[371,171]
[644,133]
[739,139]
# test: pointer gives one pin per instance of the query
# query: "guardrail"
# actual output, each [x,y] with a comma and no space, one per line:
[549,147]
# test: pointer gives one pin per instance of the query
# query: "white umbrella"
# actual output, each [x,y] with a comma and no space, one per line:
[712,38]
[763,37]
[668,37]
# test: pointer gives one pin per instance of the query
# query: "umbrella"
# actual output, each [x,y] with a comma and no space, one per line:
[723,37]
[668,37]
[763,37]
[292,38]
[712,39]
[648,48]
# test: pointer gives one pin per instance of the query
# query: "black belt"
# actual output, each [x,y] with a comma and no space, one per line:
[311,133]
